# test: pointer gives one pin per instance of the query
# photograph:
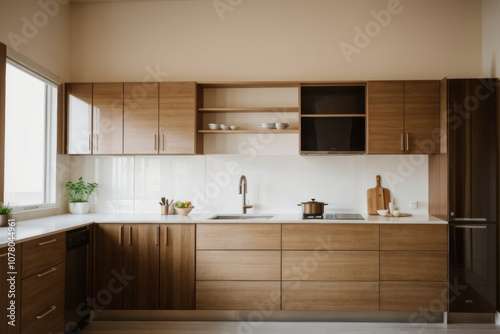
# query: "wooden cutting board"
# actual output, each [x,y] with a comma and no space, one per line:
[378,198]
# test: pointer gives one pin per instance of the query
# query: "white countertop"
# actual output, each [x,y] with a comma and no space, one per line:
[29,229]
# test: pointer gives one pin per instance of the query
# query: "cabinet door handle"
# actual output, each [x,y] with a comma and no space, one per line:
[157,234]
[52,308]
[473,227]
[163,142]
[120,235]
[407,141]
[155,141]
[130,235]
[51,270]
[47,242]
[3,255]
[166,235]
[402,143]
[470,219]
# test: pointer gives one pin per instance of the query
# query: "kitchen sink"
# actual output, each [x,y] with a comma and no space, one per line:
[236,217]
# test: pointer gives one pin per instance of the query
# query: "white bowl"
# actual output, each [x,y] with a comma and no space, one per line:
[396,213]
[282,125]
[225,127]
[268,125]
[234,127]
[383,212]
[213,126]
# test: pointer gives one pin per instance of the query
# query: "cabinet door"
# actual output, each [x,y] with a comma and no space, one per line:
[386,103]
[108,118]
[178,133]
[108,268]
[5,300]
[79,118]
[140,119]
[177,267]
[422,103]
[141,253]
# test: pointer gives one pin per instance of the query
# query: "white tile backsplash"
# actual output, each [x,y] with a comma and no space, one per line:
[276,183]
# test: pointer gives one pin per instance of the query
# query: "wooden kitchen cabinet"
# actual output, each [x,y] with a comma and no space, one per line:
[5,299]
[403,117]
[177,267]
[238,236]
[108,263]
[42,253]
[79,118]
[140,119]
[414,237]
[141,256]
[107,115]
[414,296]
[178,119]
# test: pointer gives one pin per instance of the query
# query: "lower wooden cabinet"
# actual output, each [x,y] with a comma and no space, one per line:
[330,296]
[413,266]
[48,320]
[177,267]
[414,296]
[141,256]
[5,292]
[238,295]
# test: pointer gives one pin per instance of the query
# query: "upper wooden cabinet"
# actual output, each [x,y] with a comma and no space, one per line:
[178,119]
[140,119]
[79,118]
[108,118]
[403,117]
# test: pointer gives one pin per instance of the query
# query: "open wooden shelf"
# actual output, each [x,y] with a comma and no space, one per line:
[249,110]
[333,115]
[250,131]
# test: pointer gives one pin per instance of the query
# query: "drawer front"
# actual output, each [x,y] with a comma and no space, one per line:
[330,236]
[413,296]
[331,265]
[42,290]
[247,295]
[331,296]
[430,237]
[48,320]
[413,266]
[238,265]
[43,253]
[238,236]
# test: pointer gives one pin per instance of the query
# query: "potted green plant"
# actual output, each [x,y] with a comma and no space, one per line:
[5,211]
[79,193]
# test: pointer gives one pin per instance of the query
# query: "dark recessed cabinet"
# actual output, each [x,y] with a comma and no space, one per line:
[333,119]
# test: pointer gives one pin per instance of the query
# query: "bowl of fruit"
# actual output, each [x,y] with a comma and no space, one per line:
[183,208]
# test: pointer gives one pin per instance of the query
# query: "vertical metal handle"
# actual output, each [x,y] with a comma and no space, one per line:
[163,142]
[407,141]
[120,235]
[157,234]
[402,143]
[166,235]
[155,141]
[130,235]
[90,142]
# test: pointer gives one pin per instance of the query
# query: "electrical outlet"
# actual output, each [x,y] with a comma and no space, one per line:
[413,204]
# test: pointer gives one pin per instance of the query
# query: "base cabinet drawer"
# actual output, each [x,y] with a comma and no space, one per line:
[413,266]
[331,296]
[48,320]
[414,237]
[240,295]
[238,236]
[238,265]
[413,296]
[43,253]
[41,291]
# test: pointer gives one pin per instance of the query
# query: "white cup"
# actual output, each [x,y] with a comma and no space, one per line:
[396,213]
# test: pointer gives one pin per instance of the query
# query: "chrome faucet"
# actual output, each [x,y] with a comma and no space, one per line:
[243,190]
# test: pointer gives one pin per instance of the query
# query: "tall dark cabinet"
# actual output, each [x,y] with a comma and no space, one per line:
[463,189]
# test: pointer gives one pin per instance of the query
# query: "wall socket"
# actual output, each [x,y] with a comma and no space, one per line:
[413,204]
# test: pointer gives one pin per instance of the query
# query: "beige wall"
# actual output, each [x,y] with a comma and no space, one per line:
[274,40]
[491,38]
[45,38]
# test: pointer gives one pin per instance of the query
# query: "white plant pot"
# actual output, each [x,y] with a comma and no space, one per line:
[79,208]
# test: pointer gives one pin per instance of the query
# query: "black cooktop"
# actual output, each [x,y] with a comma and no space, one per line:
[335,216]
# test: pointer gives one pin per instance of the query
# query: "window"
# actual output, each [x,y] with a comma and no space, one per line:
[30,139]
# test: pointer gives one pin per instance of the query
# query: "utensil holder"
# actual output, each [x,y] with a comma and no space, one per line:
[164,210]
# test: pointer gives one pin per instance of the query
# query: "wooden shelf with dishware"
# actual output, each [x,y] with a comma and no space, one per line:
[250,131]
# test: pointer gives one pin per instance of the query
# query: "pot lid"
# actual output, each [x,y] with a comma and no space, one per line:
[312,201]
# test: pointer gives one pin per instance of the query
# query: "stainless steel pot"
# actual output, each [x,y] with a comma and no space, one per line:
[313,207]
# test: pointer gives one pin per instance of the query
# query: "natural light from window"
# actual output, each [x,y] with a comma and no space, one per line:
[30,145]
